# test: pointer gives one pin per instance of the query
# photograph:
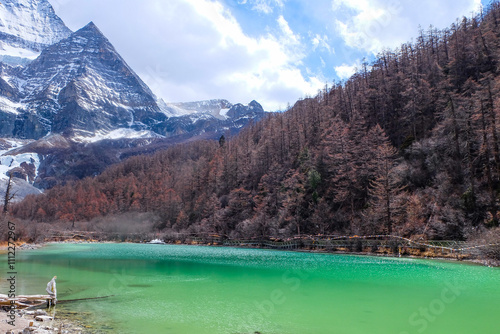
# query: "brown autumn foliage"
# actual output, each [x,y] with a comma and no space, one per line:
[409,145]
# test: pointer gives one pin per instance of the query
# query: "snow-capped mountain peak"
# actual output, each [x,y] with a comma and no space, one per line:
[27,27]
[90,34]
[81,85]
[32,20]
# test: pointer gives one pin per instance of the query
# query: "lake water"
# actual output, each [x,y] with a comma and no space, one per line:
[211,290]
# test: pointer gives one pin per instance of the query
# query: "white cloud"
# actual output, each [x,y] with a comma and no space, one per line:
[265,6]
[321,42]
[345,71]
[287,32]
[371,25]
[290,42]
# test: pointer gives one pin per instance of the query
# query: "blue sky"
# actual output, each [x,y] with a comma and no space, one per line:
[272,51]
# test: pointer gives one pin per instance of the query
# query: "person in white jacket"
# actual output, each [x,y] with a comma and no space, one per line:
[51,289]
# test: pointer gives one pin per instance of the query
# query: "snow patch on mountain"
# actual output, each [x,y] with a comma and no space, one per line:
[9,162]
[24,165]
[9,106]
[223,113]
[8,51]
[122,133]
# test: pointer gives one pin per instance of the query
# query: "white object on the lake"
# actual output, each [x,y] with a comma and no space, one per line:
[51,288]
[157,242]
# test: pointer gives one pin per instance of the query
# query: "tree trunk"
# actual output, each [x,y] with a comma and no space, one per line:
[8,197]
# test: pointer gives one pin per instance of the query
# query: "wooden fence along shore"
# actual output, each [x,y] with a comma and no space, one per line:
[372,243]
[384,244]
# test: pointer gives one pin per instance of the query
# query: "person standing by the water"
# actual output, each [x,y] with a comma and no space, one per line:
[51,289]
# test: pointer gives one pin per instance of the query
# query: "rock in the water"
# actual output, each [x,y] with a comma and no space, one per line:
[43,318]
[40,312]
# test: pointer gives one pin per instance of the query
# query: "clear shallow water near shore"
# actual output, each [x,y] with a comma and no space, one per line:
[205,290]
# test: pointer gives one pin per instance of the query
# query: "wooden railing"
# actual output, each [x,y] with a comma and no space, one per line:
[318,242]
[363,242]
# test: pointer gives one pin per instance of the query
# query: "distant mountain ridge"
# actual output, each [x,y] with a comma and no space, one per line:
[75,86]
[213,107]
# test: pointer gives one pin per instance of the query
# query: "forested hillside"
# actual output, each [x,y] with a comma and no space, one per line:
[409,145]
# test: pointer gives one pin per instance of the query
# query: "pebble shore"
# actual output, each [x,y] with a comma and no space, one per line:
[47,322]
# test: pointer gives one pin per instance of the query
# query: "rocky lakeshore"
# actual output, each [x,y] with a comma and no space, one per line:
[36,322]
[51,321]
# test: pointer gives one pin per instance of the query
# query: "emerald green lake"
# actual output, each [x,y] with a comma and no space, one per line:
[212,290]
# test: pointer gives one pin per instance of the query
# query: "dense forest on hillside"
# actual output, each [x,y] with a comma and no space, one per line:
[409,145]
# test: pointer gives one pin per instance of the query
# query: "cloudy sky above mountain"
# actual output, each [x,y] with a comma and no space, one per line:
[273,51]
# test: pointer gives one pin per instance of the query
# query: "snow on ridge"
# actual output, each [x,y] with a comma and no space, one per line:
[206,107]
[14,143]
[223,113]
[177,111]
[121,133]
[9,106]
[199,117]
[7,50]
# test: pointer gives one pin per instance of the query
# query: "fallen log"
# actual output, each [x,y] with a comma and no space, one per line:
[24,301]
[82,299]
[30,302]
